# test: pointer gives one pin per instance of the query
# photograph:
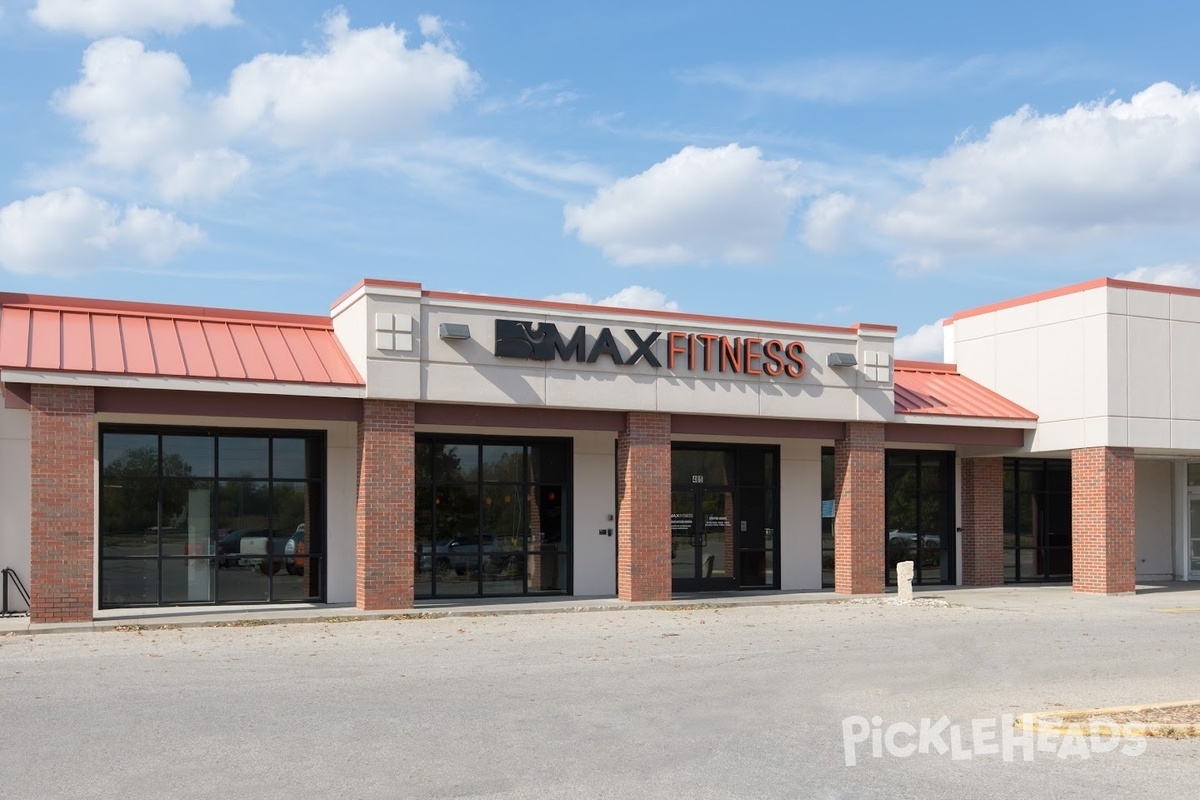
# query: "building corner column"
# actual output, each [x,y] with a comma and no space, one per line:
[1103,555]
[385,505]
[644,508]
[858,523]
[62,533]
[982,536]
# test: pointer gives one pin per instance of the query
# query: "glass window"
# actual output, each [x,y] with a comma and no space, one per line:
[828,507]
[130,454]
[549,461]
[920,514]
[188,456]
[243,457]
[1193,474]
[503,462]
[129,581]
[1037,520]
[289,459]
[129,517]
[702,467]
[456,463]
[490,517]
[209,522]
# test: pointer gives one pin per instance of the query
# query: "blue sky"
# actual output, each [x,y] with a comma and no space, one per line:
[825,163]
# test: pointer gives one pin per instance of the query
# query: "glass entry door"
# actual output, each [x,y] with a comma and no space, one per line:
[1194,536]
[702,540]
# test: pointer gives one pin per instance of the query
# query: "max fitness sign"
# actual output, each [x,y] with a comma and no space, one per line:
[699,352]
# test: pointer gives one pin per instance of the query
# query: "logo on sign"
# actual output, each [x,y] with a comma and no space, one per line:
[701,352]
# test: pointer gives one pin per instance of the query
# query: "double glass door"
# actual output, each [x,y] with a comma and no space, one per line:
[724,507]
[702,543]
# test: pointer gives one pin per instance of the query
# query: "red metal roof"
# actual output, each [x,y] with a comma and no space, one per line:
[62,334]
[924,387]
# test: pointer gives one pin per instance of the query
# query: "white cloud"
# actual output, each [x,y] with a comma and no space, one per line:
[826,220]
[95,18]
[363,85]
[926,343]
[629,297]
[699,205]
[1166,274]
[139,114]
[1039,182]
[203,173]
[70,231]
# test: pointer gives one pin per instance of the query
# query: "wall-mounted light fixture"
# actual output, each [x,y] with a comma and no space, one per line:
[842,360]
[454,330]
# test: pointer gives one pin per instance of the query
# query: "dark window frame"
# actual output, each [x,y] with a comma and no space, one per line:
[1043,501]
[316,442]
[432,482]
[946,462]
[735,452]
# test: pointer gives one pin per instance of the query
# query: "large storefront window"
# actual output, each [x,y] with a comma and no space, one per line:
[1037,520]
[920,514]
[200,516]
[492,517]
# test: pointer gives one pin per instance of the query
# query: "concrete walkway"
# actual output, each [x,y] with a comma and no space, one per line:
[1173,597]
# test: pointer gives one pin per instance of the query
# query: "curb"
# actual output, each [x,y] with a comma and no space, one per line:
[331,616]
[1098,722]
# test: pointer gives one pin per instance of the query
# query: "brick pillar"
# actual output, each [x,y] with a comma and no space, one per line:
[858,524]
[982,521]
[644,507]
[386,467]
[1102,520]
[63,524]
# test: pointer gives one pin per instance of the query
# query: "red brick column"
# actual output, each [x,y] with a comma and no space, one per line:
[858,523]
[386,497]
[644,507]
[982,521]
[1102,520]
[63,523]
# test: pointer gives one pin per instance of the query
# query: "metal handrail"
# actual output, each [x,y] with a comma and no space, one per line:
[6,575]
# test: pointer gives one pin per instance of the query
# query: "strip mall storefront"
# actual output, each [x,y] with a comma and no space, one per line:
[417,446]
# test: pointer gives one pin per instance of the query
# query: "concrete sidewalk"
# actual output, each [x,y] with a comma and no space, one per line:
[1173,597]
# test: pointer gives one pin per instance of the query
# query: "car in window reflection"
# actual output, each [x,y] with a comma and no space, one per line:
[251,546]
[289,552]
[467,553]
[902,546]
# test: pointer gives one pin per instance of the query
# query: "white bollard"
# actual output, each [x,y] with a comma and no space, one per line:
[904,576]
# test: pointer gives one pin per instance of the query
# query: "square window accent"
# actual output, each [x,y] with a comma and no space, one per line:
[877,366]
[393,332]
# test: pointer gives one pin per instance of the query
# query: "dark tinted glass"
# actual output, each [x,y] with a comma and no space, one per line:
[289,458]
[129,581]
[130,454]
[503,463]
[188,456]
[243,457]
[455,463]
[707,467]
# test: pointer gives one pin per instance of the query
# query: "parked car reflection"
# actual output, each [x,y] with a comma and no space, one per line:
[467,553]
[251,546]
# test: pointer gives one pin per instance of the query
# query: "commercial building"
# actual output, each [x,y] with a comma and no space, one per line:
[422,445]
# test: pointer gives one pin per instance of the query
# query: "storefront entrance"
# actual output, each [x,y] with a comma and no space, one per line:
[724,503]
[1193,495]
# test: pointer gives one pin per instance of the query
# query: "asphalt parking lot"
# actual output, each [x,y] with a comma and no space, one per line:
[687,702]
